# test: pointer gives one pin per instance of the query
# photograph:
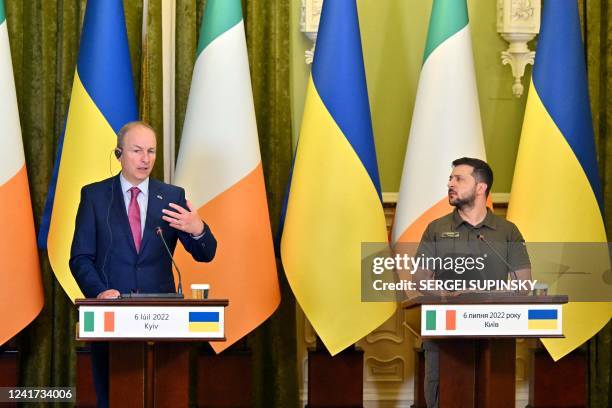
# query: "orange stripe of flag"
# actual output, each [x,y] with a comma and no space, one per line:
[21,290]
[451,320]
[109,321]
[414,232]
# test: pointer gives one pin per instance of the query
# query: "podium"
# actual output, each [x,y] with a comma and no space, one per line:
[149,342]
[476,334]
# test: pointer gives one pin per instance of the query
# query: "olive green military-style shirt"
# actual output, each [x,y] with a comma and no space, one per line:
[451,241]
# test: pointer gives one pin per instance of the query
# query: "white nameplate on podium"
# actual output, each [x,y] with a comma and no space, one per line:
[151,322]
[469,320]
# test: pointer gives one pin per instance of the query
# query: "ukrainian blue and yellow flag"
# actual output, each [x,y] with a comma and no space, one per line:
[334,201]
[542,319]
[102,101]
[204,321]
[556,192]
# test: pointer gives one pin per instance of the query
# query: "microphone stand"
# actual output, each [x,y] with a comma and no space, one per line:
[178,295]
[498,255]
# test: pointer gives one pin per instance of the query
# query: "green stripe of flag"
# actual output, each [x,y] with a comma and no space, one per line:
[88,324]
[430,320]
[447,18]
[2,14]
[219,16]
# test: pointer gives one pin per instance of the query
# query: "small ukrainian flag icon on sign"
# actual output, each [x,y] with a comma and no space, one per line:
[203,321]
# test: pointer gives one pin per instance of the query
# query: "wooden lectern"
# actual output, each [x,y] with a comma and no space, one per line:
[476,336]
[149,341]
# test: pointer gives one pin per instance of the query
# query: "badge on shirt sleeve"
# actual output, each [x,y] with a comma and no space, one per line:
[450,234]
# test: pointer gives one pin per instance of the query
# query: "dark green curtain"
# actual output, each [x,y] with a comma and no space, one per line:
[274,343]
[597,33]
[151,76]
[44,37]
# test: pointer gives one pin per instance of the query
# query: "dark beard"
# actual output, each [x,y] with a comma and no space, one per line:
[462,203]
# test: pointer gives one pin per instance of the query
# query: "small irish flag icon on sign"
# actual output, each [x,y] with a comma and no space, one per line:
[449,322]
[89,321]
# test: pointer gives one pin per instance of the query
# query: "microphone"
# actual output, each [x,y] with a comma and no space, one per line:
[512,270]
[160,233]
[134,294]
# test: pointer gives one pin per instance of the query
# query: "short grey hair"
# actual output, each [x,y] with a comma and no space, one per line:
[129,126]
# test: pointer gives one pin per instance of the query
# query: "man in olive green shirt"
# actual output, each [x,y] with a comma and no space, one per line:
[497,242]
[471,230]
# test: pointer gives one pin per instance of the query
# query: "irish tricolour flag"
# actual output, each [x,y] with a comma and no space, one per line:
[21,290]
[440,320]
[219,165]
[445,123]
[98,321]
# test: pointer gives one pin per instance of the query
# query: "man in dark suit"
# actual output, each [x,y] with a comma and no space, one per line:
[115,248]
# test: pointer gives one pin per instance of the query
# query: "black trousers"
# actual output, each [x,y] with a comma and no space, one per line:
[99,365]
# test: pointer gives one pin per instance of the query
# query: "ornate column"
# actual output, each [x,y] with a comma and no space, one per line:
[309,23]
[518,22]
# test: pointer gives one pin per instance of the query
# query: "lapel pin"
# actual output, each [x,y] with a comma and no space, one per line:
[160,197]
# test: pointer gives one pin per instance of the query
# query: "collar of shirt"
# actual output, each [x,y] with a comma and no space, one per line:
[489,220]
[126,185]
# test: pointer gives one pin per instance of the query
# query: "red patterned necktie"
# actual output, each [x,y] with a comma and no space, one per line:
[134,217]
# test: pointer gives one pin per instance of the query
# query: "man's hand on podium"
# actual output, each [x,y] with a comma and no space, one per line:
[109,294]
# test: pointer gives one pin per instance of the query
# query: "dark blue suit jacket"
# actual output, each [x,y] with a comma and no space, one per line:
[103,254]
